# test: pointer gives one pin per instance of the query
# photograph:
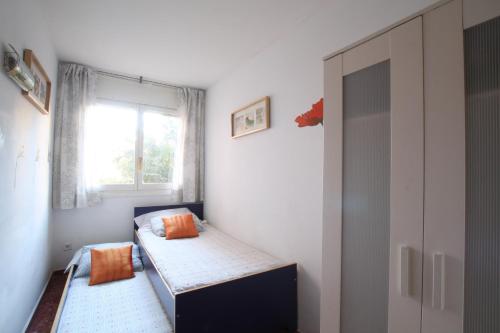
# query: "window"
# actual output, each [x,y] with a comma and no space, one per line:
[131,147]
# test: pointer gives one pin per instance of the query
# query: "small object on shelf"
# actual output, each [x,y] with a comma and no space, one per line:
[18,71]
[39,96]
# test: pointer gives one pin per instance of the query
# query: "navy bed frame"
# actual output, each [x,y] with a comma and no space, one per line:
[259,303]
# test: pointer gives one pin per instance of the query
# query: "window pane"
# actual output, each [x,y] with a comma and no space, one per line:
[110,144]
[160,144]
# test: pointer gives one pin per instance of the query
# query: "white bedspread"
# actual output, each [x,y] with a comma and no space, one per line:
[211,258]
[116,307]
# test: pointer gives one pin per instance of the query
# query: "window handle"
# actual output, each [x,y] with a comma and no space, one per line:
[139,163]
[438,280]
[404,273]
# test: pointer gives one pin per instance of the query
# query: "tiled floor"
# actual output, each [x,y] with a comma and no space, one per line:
[46,311]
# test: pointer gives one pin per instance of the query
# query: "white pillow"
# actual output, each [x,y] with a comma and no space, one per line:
[145,219]
[157,226]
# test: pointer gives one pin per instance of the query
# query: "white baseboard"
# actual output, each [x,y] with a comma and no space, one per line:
[37,303]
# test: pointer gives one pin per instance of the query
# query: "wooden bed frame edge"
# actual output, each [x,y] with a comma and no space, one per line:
[60,307]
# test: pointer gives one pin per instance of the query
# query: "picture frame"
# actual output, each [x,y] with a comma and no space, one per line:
[254,117]
[39,96]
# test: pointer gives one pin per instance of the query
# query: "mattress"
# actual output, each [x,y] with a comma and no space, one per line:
[211,258]
[116,307]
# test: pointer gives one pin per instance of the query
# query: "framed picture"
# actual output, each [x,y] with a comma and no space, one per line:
[40,95]
[252,118]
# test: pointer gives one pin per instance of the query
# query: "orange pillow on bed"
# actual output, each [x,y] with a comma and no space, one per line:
[111,264]
[180,226]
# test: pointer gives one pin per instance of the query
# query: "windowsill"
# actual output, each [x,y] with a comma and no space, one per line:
[134,193]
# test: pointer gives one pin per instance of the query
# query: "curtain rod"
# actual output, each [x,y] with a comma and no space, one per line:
[139,79]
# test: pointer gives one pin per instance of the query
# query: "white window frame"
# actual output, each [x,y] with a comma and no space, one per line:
[139,186]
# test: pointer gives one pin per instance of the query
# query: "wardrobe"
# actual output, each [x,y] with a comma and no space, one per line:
[411,227]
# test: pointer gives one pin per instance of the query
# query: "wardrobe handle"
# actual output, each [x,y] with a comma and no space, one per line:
[404,274]
[438,280]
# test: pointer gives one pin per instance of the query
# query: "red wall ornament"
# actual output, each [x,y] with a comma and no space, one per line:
[312,117]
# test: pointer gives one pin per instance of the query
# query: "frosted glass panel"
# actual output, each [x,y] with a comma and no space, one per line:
[482,254]
[365,211]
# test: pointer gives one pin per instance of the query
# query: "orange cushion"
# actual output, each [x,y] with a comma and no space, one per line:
[111,264]
[180,226]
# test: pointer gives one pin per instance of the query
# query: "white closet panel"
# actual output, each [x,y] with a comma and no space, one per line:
[407,172]
[374,149]
[444,215]
[332,197]
[424,128]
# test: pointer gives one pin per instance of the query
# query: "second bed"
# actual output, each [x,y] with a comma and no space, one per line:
[129,305]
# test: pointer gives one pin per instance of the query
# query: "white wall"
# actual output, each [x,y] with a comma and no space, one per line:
[266,188]
[111,221]
[24,190]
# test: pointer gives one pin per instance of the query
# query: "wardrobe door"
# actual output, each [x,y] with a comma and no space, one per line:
[365,200]
[407,178]
[444,209]
[332,196]
[482,248]
[373,199]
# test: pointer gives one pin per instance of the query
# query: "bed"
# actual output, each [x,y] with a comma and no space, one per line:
[214,283]
[129,305]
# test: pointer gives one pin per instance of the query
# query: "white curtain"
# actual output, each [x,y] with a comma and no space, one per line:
[190,183]
[76,85]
